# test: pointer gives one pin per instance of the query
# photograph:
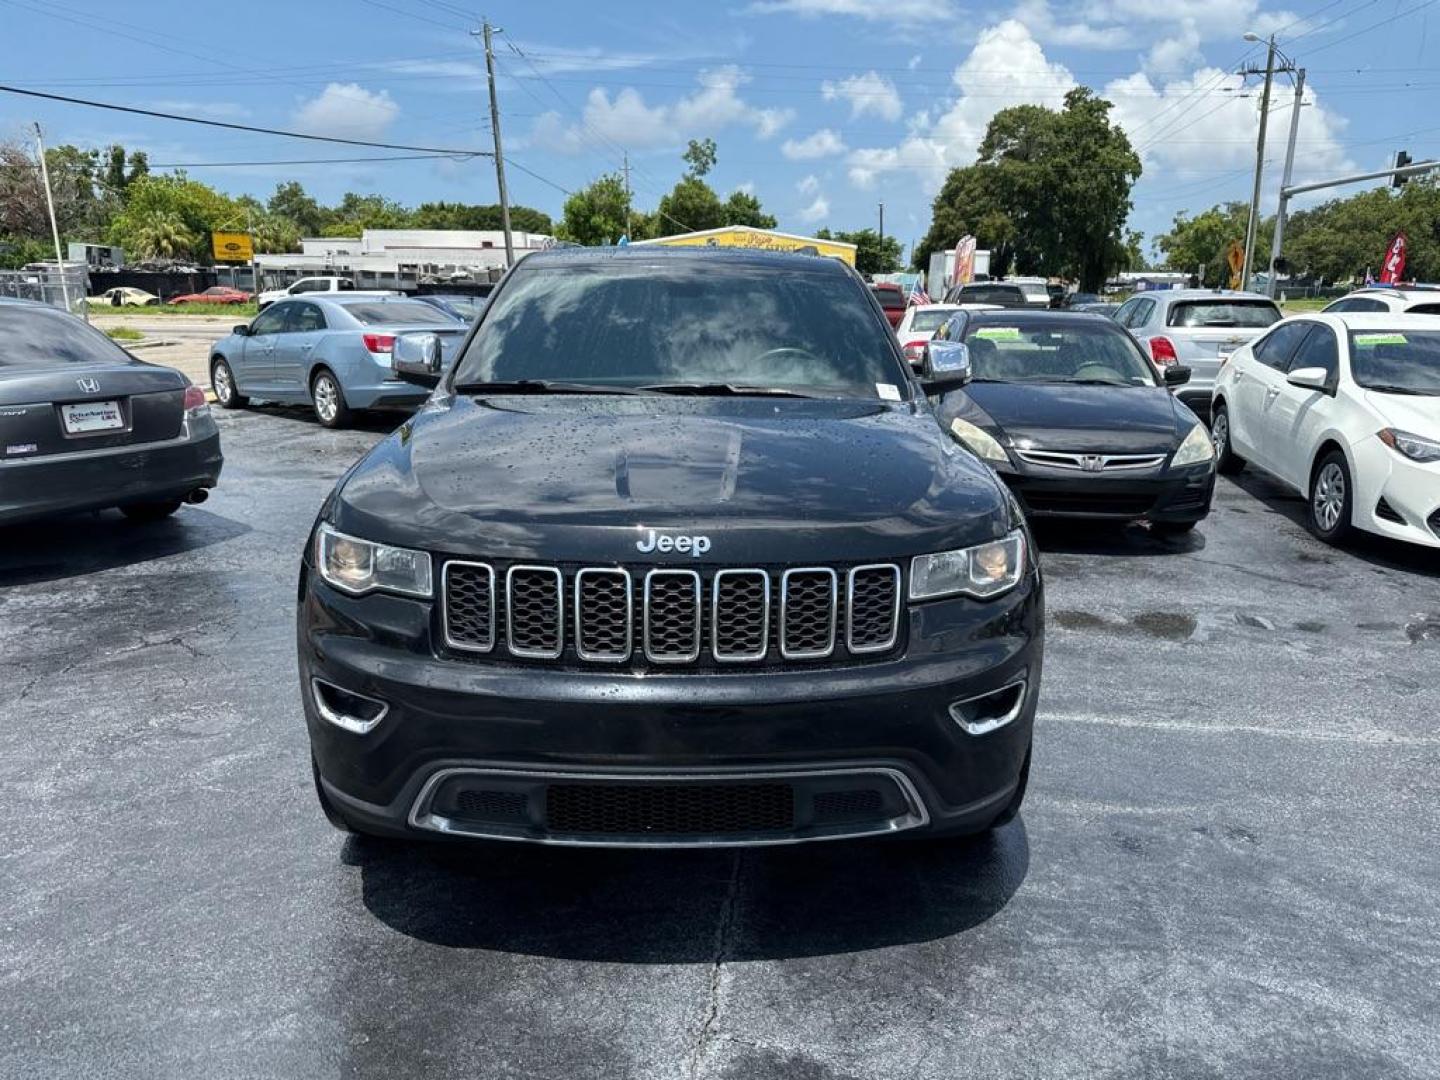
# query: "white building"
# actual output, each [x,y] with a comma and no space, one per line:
[400,258]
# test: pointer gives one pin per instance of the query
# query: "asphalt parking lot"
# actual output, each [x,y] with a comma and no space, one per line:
[1227,864]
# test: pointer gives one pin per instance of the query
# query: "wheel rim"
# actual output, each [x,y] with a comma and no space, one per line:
[326,398]
[1329,499]
[1220,433]
[221,379]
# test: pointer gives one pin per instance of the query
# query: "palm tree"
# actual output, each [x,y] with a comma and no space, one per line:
[164,236]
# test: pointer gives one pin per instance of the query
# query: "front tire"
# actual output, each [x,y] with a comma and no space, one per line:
[329,400]
[1227,462]
[1332,498]
[222,381]
[151,511]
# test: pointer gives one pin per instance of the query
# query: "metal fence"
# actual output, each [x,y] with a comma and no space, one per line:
[46,286]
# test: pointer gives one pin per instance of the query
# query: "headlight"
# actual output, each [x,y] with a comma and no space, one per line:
[1196,448]
[979,440]
[358,566]
[982,571]
[1414,447]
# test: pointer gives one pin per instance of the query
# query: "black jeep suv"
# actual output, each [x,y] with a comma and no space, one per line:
[676,554]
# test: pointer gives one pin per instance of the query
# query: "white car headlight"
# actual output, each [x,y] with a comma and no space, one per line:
[359,566]
[979,440]
[1196,448]
[1415,447]
[982,571]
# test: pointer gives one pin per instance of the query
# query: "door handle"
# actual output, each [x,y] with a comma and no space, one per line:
[307,348]
[1271,394]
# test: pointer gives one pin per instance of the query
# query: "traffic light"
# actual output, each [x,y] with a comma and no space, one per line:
[1401,160]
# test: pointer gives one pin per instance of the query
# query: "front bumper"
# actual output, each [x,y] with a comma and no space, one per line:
[41,487]
[1410,490]
[1170,495]
[572,754]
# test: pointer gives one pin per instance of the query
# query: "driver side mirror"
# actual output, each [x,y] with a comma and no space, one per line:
[1309,378]
[242,330]
[945,366]
[418,358]
[1176,375]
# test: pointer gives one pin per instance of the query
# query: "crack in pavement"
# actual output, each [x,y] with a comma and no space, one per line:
[724,938]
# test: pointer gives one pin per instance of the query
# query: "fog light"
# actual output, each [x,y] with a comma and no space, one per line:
[990,711]
[345,708]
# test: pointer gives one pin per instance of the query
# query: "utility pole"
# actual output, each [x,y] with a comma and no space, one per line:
[54,228]
[625,160]
[882,225]
[486,30]
[1253,223]
[1270,286]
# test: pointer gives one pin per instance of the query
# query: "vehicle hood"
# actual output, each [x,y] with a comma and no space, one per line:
[1417,415]
[569,478]
[1079,419]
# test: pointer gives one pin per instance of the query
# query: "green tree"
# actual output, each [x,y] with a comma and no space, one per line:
[691,206]
[971,202]
[356,212]
[700,156]
[873,255]
[162,235]
[292,203]
[446,215]
[1340,240]
[744,209]
[596,214]
[1205,239]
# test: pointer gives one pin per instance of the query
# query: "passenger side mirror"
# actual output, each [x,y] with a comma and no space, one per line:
[242,330]
[946,366]
[1309,378]
[418,358]
[1176,375]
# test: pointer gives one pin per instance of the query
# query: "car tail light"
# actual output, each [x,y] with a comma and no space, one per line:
[915,351]
[195,402]
[1162,351]
[379,343]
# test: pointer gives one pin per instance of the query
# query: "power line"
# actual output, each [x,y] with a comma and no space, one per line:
[439,151]
[1372,26]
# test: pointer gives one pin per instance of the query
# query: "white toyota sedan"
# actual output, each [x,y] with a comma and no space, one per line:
[1346,409]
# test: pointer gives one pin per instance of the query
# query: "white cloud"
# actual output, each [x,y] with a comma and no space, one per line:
[808,185]
[816,211]
[347,111]
[868,93]
[1046,27]
[627,119]
[1006,67]
[213,110]
[907,12]
[913,62]
[747,188]
[818,144]
[1179,53]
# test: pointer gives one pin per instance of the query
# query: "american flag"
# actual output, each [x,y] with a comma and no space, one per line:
[918,295]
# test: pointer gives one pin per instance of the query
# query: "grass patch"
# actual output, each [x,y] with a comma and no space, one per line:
[1291,307]
[242,312]
[124,333]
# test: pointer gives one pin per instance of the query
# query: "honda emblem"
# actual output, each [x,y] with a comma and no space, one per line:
[1092,462]
[90,386]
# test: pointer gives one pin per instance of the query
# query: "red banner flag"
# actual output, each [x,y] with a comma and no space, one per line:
[1393,270]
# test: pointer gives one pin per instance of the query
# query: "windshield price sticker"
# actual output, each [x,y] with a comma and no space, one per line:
[1370,340]
[887,391]
[998,333]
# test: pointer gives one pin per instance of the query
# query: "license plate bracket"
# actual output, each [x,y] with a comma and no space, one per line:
[92,417]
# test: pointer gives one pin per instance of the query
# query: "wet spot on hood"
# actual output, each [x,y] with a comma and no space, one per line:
[1170,625]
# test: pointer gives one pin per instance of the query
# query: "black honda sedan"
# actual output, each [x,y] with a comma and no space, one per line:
[86,426]
[1074,418]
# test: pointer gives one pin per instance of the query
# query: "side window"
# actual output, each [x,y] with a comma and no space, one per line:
[304,318]
[304,285]
[1142,312]
[1423,309]
[345,285]
[1338,306]
[270,321]
[1276,348]
[1126,315]
[1319,349]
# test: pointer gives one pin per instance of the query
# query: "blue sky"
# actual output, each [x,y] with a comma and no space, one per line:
[822,108]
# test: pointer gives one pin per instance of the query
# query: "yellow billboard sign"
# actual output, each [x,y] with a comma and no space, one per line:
[232,246]
[744,236]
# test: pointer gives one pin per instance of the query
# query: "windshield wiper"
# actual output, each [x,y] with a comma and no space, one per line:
[720,389]
[540,386]
[1390,388]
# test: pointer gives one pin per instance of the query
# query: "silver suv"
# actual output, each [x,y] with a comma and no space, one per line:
[1198,328]
[1391,300]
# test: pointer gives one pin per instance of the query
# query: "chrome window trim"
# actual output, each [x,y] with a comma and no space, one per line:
[689,658]
[450,642]
[535,654]
[737,658]
[861,650]
[580,650]
[808,654]
[916,816]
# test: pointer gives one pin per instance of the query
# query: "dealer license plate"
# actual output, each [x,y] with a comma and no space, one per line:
[91,416]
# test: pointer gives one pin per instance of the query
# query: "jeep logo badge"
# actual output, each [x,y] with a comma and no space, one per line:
[694,546]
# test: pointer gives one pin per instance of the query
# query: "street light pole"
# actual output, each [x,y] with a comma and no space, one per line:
[1270,285]
[1253,223]
[54,227]
[499,153]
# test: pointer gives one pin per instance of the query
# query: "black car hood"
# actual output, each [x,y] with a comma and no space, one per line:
[570,478]
[1073,417]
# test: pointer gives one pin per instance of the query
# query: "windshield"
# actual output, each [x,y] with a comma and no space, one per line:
[1035,289]
[1396,361]
[641,324]
[890,299]
[44,337]
[1246,313]
[931,320]
[467,306]
[1050,351]
[398,313]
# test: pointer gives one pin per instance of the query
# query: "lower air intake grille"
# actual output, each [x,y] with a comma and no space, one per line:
[861,804]
[492,805]
[675,809]
[1386,512]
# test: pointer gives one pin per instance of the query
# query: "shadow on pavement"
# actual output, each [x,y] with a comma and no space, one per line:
[89,543]
[378,421]
[664,907]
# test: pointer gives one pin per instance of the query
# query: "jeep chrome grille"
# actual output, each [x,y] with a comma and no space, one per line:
[672,616]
